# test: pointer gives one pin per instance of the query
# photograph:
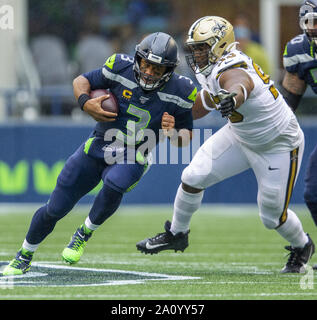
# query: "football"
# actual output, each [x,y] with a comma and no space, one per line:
[110,104]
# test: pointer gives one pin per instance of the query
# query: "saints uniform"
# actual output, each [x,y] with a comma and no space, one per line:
[262,134]
[300,58]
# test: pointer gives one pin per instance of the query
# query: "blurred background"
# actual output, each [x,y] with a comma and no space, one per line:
[46,44]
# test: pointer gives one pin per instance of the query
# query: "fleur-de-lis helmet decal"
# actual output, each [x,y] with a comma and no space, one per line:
[209,38]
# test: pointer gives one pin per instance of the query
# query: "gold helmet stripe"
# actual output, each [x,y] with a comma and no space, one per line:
[192,28]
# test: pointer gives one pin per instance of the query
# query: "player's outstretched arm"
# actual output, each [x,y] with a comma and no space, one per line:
[81,86]
[293,89]
[239,82]
[203,105]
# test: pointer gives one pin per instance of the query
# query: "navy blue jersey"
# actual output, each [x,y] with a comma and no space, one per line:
[140,109]
[300,57]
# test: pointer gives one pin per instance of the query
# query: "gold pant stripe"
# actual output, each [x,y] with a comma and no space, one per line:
[290,183]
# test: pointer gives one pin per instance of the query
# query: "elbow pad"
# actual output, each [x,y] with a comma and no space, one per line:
[291,98]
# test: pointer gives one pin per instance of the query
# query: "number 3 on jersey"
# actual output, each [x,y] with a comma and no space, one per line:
[135,129]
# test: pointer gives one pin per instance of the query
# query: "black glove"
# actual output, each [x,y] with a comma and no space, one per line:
[227,103]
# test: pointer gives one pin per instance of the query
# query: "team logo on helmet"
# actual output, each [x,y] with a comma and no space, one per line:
[219,30]
[209,38]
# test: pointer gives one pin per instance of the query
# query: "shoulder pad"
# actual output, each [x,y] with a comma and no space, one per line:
[297,51]
[296,46]
[118,62]
[232,60]
[179,90]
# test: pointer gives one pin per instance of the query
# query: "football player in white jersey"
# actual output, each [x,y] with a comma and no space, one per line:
[262,134]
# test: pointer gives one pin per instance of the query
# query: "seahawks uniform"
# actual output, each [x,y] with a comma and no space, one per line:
[262,134]
[139,110]
[87,166]
[300,58]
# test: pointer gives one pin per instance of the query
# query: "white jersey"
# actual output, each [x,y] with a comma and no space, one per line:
[264,121]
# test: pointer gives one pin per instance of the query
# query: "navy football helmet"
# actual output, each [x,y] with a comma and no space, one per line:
[159,49]
[308,19]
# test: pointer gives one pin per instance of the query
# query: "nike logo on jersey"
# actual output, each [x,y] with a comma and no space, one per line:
[150,246]
[270,168]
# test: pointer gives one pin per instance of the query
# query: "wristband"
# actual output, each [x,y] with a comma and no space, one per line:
[204,101]
[245,92]
[83,98]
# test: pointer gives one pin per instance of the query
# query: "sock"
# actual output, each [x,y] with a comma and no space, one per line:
[292,231]
[106,203]
[185,204]
[89,227]
[27,247]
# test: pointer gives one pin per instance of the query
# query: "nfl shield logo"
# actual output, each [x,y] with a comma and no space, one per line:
[144,99]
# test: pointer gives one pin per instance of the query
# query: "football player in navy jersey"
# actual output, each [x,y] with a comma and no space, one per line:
[300,62]
[150,96]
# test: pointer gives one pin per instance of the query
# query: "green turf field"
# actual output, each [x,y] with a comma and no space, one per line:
[231,256]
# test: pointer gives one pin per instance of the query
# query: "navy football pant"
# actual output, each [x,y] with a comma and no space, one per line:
[310,192]
[79,176]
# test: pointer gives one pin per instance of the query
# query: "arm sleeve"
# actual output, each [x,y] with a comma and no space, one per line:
[97,80]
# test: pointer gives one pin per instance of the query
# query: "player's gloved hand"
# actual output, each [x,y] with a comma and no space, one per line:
[227,103]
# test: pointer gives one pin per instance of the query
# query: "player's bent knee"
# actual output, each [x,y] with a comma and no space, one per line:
[197,179]
[269,222]
[60,204]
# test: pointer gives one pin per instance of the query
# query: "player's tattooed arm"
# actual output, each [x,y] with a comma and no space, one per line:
[200,108]
[239,82]
[292,83]
[293,89]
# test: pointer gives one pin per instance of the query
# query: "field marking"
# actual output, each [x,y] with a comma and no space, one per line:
[159,277]
[139,273]
[161,296]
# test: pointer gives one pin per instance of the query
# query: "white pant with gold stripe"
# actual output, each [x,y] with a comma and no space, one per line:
[222,156]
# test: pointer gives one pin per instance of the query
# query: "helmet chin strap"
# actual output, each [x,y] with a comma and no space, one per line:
[207,71]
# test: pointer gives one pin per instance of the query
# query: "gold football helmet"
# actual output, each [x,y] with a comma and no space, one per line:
[209,38]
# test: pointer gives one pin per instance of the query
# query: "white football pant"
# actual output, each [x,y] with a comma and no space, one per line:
[222,156]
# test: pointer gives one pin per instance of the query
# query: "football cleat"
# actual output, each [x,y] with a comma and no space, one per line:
[21,264]
[164,241]
[299,257]
[75,249]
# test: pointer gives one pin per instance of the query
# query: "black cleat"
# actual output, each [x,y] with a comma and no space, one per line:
[164,241]
[315,267]
[299,257]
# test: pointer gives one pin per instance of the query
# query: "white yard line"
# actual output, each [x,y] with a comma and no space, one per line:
[161,296]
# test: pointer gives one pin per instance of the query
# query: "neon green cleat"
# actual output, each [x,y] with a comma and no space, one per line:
[21,264]
[75,249]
